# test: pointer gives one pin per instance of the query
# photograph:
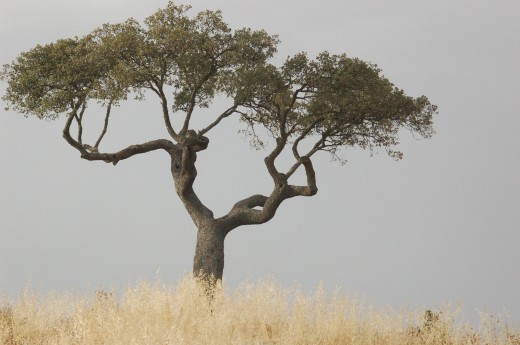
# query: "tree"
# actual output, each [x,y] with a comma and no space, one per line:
[305,105]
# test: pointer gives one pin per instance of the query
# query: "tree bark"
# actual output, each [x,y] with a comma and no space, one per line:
[209,252]
[208,263]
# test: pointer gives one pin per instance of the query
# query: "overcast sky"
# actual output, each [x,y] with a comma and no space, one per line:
[442,225]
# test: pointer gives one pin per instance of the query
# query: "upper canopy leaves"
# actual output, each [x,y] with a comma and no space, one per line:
[197,56]
[47,80]
[345,101]
[341,100]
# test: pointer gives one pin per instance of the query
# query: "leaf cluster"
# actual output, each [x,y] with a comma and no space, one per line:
[197,56]
[344,101]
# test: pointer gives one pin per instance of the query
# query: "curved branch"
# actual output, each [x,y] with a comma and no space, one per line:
[302,136]
[311,188]
[253,201]
[269,160]
[320,144]
[91,154]
[184,174]
[188,172]
[244,212]
[129,151]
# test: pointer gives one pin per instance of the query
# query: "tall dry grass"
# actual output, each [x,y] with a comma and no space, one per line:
[262,313]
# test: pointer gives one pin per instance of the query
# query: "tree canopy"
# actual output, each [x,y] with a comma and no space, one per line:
[341,101]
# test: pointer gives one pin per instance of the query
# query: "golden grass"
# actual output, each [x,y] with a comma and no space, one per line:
[262,313]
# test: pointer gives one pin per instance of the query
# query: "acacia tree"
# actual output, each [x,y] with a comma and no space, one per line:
[320,104]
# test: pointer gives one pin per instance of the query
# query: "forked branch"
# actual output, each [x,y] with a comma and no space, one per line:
[244,212]
[79,121]
[320,144]
[91,154]
[193,99]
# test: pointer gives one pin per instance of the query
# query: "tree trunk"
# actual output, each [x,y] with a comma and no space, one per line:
[208,262]
[209,252]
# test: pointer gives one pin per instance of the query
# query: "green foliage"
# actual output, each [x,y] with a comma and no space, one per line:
[46,80]
[196,56]
[340,100]
[344,100]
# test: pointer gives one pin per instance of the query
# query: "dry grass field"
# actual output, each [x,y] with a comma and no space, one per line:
[261,313]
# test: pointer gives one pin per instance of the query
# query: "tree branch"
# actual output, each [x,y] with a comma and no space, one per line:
[131,151]
[225,114]
[66,130]
[155,90]
[191,107]
[79,120]
[253,201]
[269,160]
[302,136]
[299,160]
[311,188]
[244,212]
[184,174]
[294,98]
[193,98]
[166,115]
[105,127]
[114,158]
[183,164]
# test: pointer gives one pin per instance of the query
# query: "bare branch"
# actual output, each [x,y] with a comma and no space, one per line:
[318,146]
[283,119]
[311,188]
[151,87]
[191,107]
[66,130]
[79,120]
[193,98]
[253,201]
[184,174]
[243,212]
[105,127]
[225,114]
[269,160]
[302,136]
[114,158]
[129,151]
[166,115]
[282,139]
[187,162]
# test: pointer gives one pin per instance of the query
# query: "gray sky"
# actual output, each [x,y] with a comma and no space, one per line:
[442,225]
